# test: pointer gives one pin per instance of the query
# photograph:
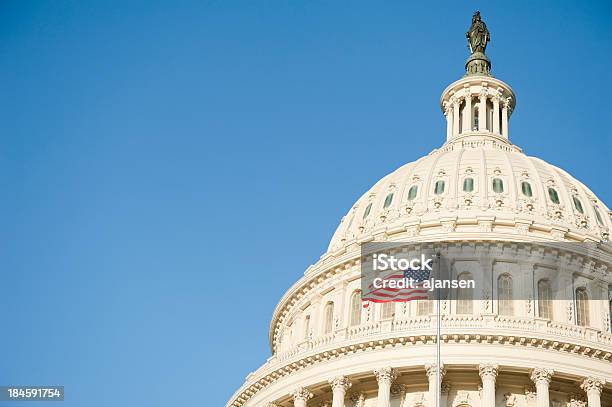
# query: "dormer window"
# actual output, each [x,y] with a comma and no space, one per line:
[388,200]
[412,192]
[367,210]
[553,195]
[468,185]
[498,185]
[578,205]
[526,189]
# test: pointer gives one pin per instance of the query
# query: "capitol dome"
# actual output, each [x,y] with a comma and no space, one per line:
[537,334]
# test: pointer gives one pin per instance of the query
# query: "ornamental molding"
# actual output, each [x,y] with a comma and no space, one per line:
[301,394]
[340,383]
[488,370]
[385,375]
[292,366]
[593,384]
[541,375]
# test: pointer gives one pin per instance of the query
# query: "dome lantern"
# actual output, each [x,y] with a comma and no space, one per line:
[478,105]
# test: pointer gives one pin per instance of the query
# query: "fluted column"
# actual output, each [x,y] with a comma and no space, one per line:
[505,118]
[448,112]
[592,387]
[488,374]
[339,385]
[482,111]
[301,395]
[456,115]
[496,114]
[467,111]
[541,378]
[430,369]
[384,377]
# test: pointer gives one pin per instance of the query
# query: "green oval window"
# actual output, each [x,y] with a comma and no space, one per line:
[468,184]
[578,204]
[412,192]
[554,196]
[498,185]
[526,188]
[367,210]
[439,187]
[388,200]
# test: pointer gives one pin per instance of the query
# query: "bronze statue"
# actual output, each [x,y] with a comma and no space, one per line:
[478,35]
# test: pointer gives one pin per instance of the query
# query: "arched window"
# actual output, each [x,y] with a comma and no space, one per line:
[554,196]
[468,185]
[355,318]
[465,296]
[498,185]
[388,200]
[598,216]
[439,187]
[526,189]
[307,327]
[329,318]
[582,307]
[412,192]
[578,204]
[367,210]
[544,299]
[504,294]
[388,309]
[424,307]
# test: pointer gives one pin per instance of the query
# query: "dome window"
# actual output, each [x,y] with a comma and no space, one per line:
[526,189]
[468,185]
[412,192]
[554,196]
[498,185]
[578,204]
[598,216]
[367,210]
[582,307]
[388,200]
[439,187]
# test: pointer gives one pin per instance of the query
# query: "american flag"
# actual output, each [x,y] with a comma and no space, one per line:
[387,294]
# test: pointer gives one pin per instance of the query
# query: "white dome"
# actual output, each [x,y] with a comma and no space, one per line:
[553,204]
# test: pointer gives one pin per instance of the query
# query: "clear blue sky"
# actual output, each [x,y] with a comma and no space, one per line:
[149,147]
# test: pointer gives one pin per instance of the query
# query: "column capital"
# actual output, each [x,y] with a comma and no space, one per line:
[340,383]
[488,370]
[398,388]
[592,384]
[576,400]
[357,398]
[385,375]
[430,368]
[542,375]
[445,388]
[301,394]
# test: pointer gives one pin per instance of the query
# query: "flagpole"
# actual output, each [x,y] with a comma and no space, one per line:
[438,347]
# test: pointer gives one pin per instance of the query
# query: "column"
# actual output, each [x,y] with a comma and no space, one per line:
[541,378]
[482,111]
[592,387]
[448,112]
[488,374]
[504,130]
[496,114]
[384,377]
[456,113]
[467,111]
[339,385]
[431,370]
[444,391]
[301,395]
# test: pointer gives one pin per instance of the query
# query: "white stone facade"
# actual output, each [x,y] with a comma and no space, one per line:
[329,351]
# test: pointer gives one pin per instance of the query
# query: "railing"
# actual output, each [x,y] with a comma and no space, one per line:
[478,324]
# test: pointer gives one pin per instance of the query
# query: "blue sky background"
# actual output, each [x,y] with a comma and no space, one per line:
[150,147]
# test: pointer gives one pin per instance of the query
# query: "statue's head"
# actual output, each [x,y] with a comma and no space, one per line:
[476,16]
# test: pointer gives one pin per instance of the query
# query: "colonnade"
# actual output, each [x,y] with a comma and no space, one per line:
[386,377]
